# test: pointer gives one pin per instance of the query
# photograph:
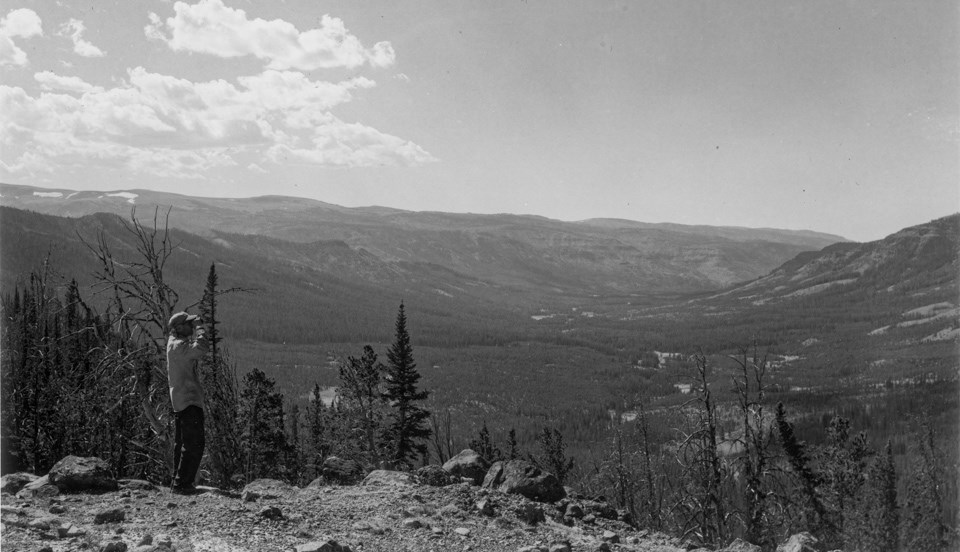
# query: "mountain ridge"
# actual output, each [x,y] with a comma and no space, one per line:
[526,251]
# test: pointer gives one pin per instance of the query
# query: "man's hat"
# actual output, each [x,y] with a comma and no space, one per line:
[180,318]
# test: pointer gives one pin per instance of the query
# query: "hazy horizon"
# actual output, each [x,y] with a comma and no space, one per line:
[834,118]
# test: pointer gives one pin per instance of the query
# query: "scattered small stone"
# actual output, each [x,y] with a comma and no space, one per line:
[610,536]
[171,504]
[436,529]
[485,507]
[574,511]
[57,509]
[271,512]
[120,530]
[43,524]
[559,547]
[412,523]
[589,519]
[147,540]
[109,515]
[462,531]
[46,549]
[13,482]
[603,547]
[317,546]
[530,513]
[163,541]
[115,546]
[170,524]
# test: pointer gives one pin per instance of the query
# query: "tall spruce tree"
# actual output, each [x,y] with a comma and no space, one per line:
[263,440]
[224,455]
[407,430]
[923,529]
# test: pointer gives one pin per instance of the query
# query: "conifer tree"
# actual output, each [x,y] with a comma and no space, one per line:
[318,443]
[263,439]
[873,521]
[222,402]
[923,529]
[361,380]
[408,427]
[553,454]
[483,445]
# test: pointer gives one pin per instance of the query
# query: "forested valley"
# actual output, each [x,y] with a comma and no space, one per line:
[703,416]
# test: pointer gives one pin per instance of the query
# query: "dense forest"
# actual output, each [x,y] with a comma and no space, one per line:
[708,431]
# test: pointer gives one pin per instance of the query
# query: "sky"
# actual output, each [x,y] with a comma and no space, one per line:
[834,116]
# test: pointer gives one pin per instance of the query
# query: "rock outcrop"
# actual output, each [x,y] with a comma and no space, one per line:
[340,470]
[523,478]
[467,464]
[75,474]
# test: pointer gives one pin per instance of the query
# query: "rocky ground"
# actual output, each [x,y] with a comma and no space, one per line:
[392,513]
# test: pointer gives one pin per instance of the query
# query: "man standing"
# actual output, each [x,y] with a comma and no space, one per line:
[183,358]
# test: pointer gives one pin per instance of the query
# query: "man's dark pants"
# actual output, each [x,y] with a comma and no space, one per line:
[188,446]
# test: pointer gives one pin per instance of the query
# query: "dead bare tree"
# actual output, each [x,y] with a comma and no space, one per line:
[441,439]
[140,304]
[700,505]
[756,460]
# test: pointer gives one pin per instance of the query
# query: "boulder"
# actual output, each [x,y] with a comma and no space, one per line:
[79,474]
[529,513]
[800,542]
[434,475]
[13,482]
[467,464]
[389,477]
[38,488]
[341,470]
[136,485]
[317,546]
[267,489]
[109,515]
[740,545]
[523,478]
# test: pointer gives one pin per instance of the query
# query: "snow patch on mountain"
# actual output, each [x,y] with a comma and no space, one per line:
[129,196]
[48,194]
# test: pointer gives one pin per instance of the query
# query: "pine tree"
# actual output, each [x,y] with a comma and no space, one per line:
[814,514]
[514,448]
[263,439]
[408,427]
[873,524]
[361,379]
[923,529]
[553,454]
[318,443]
[483,445]
[219,379]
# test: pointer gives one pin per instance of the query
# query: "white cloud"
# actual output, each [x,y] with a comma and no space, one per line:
[19,23]
[74,29]
[168,126]
[51,81]
[210,27]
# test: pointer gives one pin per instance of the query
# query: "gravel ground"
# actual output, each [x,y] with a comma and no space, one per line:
[398,517]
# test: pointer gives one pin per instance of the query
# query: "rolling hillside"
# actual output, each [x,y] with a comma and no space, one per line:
[526,252]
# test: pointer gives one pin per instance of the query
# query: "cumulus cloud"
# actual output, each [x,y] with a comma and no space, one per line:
[169,126]
[74,30]
[51,81]
[19,23]
[210,27]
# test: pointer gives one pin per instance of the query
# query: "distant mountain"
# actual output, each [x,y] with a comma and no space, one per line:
[918,261]
[527,253]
